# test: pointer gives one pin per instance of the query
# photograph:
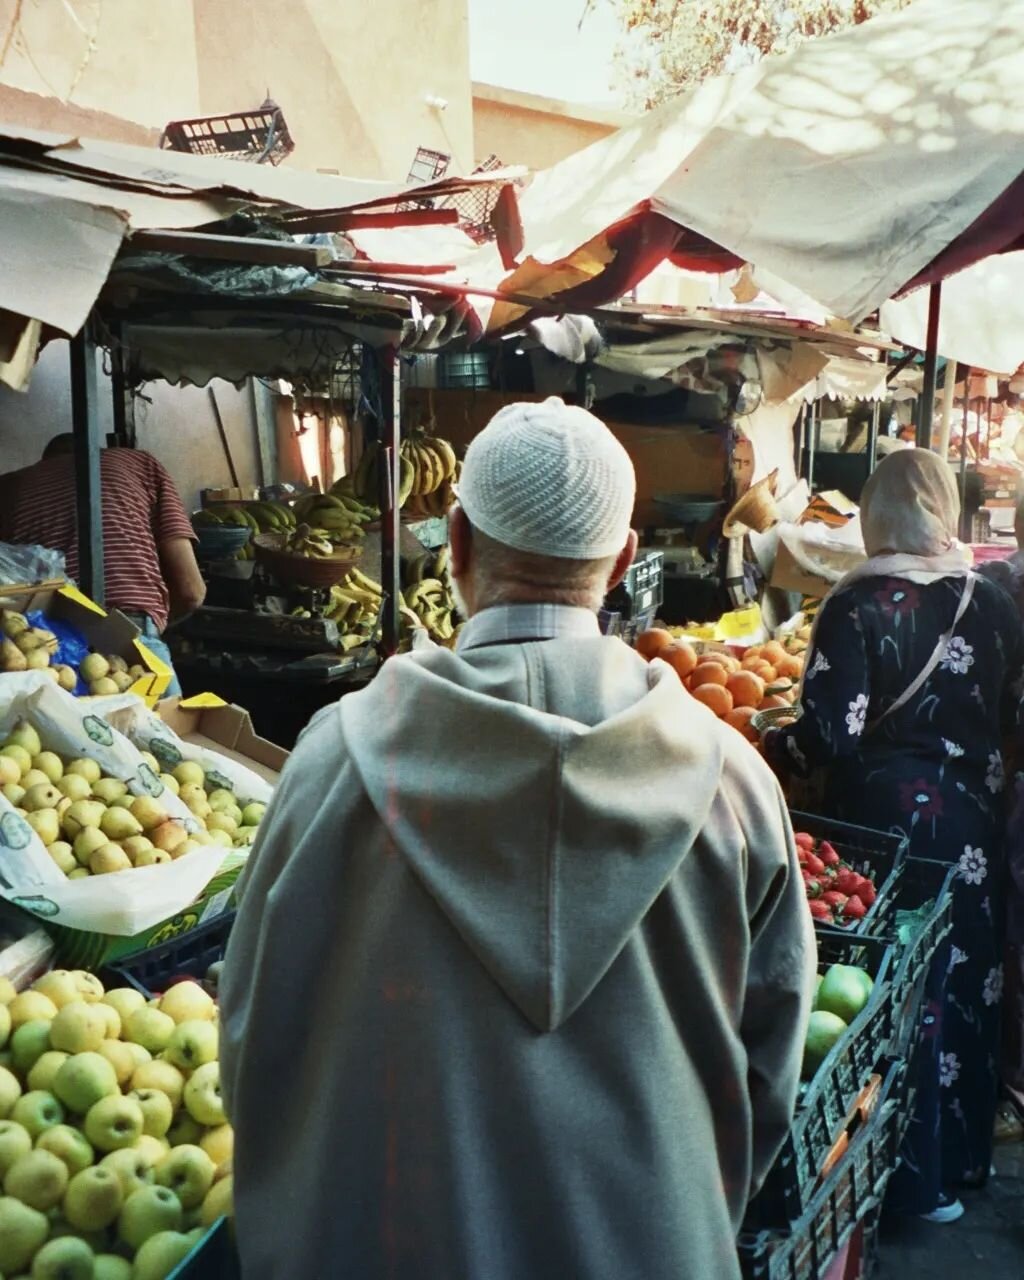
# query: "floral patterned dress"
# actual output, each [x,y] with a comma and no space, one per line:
[932,771]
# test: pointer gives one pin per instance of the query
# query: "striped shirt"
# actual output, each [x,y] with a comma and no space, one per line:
[518,623]
[141,509]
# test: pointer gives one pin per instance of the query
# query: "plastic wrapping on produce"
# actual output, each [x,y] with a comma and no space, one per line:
[72,646]
[24,566]
[124,903]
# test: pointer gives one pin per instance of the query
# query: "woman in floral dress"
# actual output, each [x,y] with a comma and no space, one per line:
[921,758]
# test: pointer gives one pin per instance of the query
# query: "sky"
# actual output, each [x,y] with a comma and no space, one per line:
[534,46]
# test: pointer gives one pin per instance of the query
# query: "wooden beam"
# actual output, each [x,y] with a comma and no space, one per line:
[197,244]
[346,220]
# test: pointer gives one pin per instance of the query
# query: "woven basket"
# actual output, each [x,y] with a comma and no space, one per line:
[304,571]
[755,511]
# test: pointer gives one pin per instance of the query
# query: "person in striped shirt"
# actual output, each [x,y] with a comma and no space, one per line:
[150,569]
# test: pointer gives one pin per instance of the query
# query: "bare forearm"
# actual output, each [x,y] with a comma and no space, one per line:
[185,585]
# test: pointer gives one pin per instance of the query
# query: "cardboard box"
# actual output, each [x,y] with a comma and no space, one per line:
[205,721]
[107,632]
[209,496]
[789,575]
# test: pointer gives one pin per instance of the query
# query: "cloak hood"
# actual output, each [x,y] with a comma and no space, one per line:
[544,839]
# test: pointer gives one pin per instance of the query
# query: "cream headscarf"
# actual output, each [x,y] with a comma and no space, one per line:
[909,512]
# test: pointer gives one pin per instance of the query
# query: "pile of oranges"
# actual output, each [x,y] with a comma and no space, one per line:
[733,688]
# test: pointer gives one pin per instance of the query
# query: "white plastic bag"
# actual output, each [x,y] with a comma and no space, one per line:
[122,904]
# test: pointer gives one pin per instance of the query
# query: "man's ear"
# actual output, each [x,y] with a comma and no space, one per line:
[460,540]
[623,560]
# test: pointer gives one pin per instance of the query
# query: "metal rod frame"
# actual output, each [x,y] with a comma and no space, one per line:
[390,512]
[926,405]
[85,424]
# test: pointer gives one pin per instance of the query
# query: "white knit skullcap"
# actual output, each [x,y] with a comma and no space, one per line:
[549,478]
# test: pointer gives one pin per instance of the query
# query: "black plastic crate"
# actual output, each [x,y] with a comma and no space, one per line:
[827,1103]
[924,881]
[614,624]
[213,1258]
[850,1193]
[868,852]
[190,954]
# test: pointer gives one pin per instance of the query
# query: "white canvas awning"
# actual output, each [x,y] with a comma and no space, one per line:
[846,167]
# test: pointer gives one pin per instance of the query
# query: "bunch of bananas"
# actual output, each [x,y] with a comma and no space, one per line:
[355,607]
[260,517]
[427,599]
[304,541]
[428,470]
[336,517]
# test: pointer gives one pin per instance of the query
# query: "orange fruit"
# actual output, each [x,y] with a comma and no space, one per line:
[790,667]
[713,696]
[747,689]
[751,662]
[709,673]
[739,718]
[773,700]
[651,643]
[766,671]
[681,657]
[773,652]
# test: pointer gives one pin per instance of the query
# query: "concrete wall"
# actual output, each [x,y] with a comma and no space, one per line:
[141,66]
[351,78]
[177,427]
[524,128]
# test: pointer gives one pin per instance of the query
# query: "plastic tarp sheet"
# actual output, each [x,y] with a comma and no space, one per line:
[846,167]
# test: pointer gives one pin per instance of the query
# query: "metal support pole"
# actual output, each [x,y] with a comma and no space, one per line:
[814,436]
[88,494]
[948,391]
[390,512]
[876,422]
[926,405]
[123,435]
[964,531]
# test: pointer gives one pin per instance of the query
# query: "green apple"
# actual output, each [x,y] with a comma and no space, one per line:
[140,1056]
[37,1110]
[94,1198]
[87,769]
[10,1092]
[83,1080]
[28,1043]
[90,989]
[188,773]
[15,1142]
[66,1258]
[147,1212]
[125,1000]
[161,1075]
[161,1253]
[7,990]
[188,1171]
[202,1095]
[79,1027]
[120,1058]
[109,789]
[114,1122]
[219,1202]
[187,1001]
[88,840]
[133,1170]
[74,786]
[118,824]
[5,1024]
[151,1149]
[22,1232]
[184,1130]
[157,1112]
[31,1006]
[113,1020]
[108,1266]
[150,1028]
[219,1144]
[67,1144]
[193,1044]
[252,814]
[38,1179]
[44,1070]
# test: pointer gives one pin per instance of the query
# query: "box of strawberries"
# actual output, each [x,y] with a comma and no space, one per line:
[850,873]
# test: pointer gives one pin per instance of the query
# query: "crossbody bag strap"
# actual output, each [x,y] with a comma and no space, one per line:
[937,655]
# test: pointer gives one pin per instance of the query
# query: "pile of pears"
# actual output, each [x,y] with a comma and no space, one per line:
[115,1153]
[27,648]
[93,825]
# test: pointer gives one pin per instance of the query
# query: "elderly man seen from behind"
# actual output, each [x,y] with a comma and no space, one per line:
[519,982]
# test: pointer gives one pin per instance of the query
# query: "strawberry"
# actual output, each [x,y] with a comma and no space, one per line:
[848,881]
[854,909]
[827,854]
[812,886]
[834,898]
[803,840]
[814,864]
[867,892]
[819,910]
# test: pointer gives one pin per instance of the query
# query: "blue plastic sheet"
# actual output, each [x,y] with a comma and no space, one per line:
[72,646]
